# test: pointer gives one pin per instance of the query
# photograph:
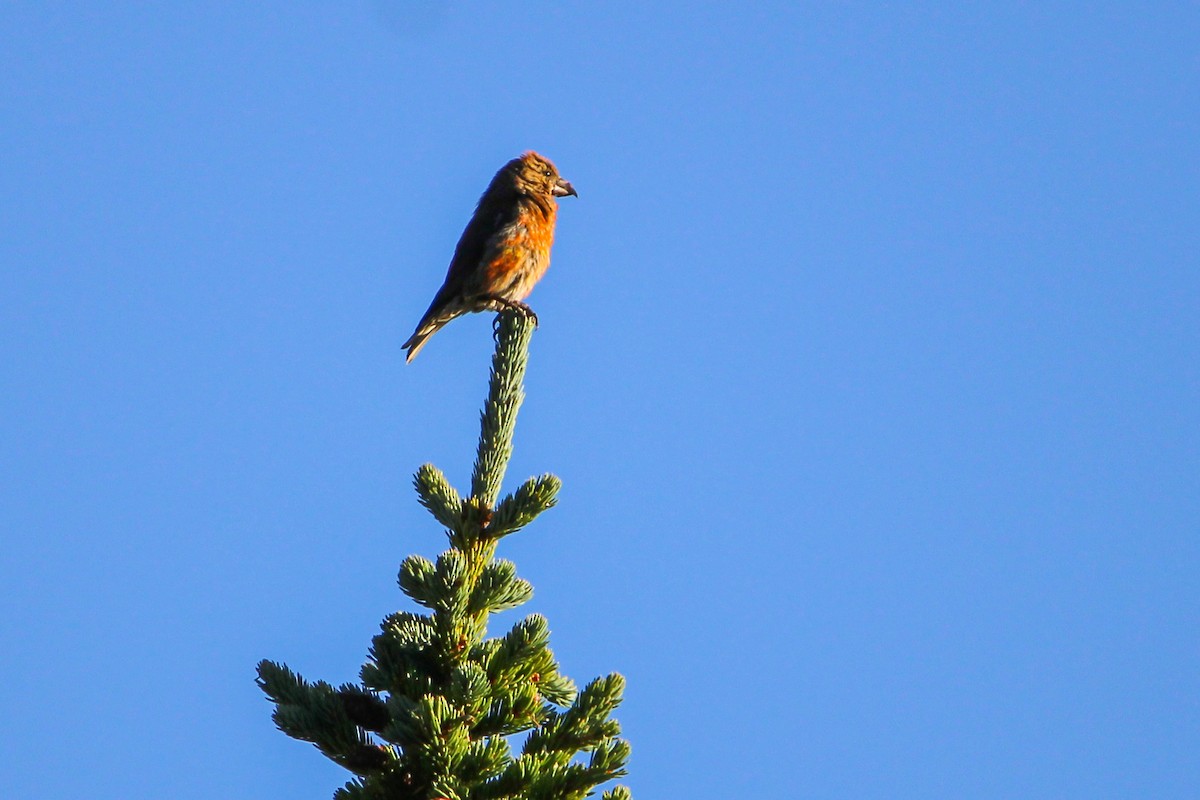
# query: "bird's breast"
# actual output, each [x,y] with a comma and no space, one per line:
[522,253]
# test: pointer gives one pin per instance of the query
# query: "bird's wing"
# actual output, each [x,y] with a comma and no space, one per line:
[481,241]
[479,244]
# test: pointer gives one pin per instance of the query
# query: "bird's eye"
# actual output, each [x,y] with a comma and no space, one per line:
[547,173]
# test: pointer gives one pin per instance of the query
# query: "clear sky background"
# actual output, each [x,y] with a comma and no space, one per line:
[869,358]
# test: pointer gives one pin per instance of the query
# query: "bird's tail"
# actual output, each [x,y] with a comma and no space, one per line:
[427,328]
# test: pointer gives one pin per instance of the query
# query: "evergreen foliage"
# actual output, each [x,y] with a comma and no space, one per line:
[441,707]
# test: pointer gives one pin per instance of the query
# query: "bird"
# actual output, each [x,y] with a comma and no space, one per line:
[503,251]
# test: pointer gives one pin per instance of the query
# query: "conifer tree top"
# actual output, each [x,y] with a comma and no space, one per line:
[439,705]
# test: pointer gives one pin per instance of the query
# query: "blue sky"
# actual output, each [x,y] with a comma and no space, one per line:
[869,359]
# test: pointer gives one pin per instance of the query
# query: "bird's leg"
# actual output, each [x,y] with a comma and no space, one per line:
[513,305]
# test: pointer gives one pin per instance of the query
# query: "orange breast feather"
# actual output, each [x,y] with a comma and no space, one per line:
[524,256]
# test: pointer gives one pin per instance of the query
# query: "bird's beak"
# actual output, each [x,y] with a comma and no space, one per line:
[562,188]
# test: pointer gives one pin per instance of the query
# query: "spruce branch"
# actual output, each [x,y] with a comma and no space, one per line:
[499,417]
[314,712]
[522,506]
[499,588]
[436,494]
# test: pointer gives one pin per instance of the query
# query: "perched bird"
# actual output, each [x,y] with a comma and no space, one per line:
[504,250]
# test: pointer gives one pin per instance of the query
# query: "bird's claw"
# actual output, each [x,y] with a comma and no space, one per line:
[528,313]
[511,305]
[522,309]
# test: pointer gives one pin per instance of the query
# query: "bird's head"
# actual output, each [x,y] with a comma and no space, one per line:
[534,174]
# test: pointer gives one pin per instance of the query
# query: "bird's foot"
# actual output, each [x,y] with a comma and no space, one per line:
[512,305]
[525,311]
